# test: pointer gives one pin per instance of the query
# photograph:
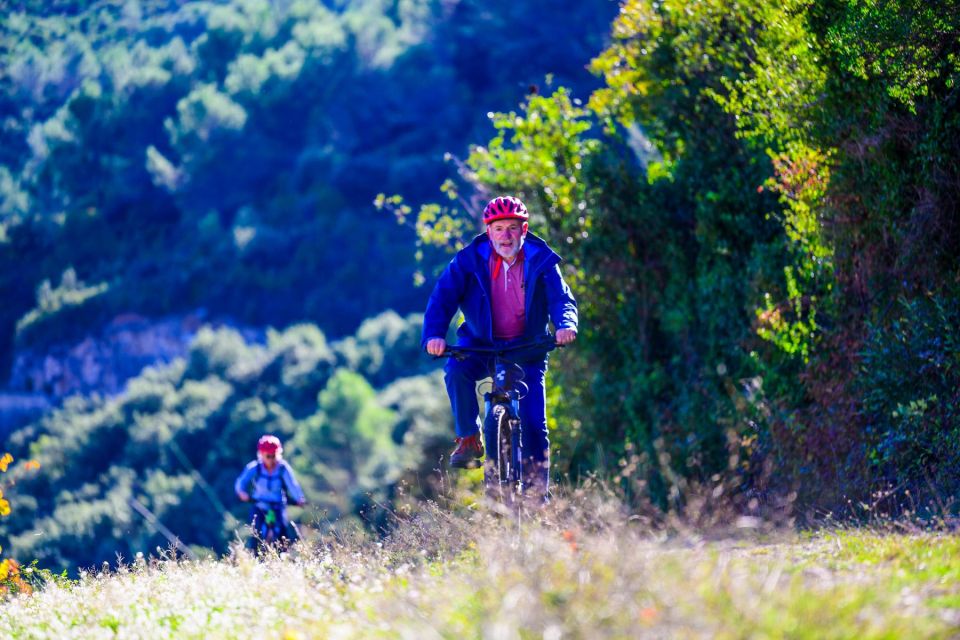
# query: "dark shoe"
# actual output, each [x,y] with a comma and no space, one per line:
[468,451]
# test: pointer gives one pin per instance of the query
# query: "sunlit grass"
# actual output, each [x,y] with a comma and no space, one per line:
[581,569]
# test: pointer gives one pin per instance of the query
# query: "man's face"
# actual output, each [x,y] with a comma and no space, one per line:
[507,237]
[270,461]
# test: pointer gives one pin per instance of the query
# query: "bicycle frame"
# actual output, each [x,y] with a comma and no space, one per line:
[502,426]
[268,527]
[503,429]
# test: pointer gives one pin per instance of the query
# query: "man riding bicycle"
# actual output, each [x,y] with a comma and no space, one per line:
[273,480]
[508,284]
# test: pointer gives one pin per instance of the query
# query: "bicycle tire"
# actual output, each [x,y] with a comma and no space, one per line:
[508,453]
[496,466]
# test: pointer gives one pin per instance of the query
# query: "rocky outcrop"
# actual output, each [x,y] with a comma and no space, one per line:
[103,362]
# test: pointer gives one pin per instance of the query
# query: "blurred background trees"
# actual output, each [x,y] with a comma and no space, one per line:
[179,436]
[225,155]
[756,202]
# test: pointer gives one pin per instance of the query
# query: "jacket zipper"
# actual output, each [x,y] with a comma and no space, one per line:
[483,290]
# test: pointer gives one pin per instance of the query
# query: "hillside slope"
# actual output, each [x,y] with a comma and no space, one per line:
[582,569]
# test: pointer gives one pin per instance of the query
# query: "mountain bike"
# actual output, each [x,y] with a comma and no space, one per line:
[269,531]
[502,427]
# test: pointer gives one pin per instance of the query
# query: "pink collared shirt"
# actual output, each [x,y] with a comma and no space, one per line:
[507,297]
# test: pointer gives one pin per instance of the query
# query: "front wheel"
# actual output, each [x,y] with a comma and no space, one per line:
[502,470]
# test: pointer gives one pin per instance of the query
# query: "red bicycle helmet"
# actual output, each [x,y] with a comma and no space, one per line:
[505,207]
[269,444]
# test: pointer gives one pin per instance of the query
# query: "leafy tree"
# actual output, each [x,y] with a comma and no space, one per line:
[172,445]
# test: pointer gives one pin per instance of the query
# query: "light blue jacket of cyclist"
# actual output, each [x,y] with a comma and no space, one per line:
[269,479]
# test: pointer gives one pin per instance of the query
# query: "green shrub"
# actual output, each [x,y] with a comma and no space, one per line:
[910,381]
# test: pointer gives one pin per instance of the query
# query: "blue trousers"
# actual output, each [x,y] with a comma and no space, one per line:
[257,517]
[461,380]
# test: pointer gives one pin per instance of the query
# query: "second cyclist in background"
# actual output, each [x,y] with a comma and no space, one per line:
[268,481]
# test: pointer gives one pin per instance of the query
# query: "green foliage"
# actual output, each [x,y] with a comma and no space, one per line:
[225,154]
[589,569]
[910,376]
[384,346]
[792,336]
[769,178]
[179,436]
[909,46]
[349,464]
[538,155]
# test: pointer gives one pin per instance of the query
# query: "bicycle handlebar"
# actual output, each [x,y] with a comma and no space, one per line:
[460,351]
[276,503]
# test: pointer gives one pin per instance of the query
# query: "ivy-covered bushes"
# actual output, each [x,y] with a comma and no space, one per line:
[758,212]
[910,384]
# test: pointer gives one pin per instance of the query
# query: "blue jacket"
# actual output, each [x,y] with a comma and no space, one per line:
[465,284]
[269,487]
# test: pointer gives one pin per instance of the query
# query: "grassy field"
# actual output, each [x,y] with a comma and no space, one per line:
[582,568]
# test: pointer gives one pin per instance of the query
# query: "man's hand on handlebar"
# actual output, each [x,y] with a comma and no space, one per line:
[566,336]
[244,496]
[436,346]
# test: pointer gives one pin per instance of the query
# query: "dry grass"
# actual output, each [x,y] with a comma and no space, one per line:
[582,568]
